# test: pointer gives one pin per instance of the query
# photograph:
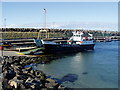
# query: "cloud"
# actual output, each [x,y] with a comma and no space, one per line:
[71,25]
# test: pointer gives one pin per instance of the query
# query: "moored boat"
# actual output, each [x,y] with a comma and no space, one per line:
[77,43]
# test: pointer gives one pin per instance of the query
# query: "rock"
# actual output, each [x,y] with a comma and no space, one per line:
[9,74]
[50,80]
[5,84]
[37,79]
[18,67]
[61,87]
[13,83]
[19,74]
[43,77]
[38,73]
[51,83]
[28,69]
[32,72]
[21,77]
[22,86]
[33,83]
[70,78]
[85,73]
[29,80]
[44,88]
[32,86]
[24,71]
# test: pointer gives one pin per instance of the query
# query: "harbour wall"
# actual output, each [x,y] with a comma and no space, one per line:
[27,33]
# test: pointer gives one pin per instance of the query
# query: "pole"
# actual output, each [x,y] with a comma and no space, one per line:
[45,23]
[5,23]
[44,18]
[39,33]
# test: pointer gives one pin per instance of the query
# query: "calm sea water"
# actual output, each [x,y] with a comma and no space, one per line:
[95,69]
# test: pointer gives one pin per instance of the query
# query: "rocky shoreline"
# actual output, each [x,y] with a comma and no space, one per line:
[16,75]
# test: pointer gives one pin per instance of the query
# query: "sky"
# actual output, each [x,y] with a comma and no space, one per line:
[71,15]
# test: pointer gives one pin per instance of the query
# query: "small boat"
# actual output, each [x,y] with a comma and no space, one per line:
[5,44]
[34,51]
[77,43]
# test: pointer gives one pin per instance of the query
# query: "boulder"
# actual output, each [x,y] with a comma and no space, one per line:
[29,80]
[28,68]
[9,74]
[5,84]
[51,83]
[50,80]
[13,84]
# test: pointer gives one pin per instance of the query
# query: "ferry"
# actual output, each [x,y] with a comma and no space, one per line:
[77,43]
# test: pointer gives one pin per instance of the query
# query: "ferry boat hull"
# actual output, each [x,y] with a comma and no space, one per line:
[77,43]
[66,48]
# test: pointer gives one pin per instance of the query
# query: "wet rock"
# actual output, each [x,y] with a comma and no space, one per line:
[51,83]
[85,73]
[70,78]
[22,86]
[38,73]
[13,84]
[29,80]
[28,69]
[33,83]
[18,73]
[32,72]
[5,84]
[9,74]
[50,80]
[61,87]
[17,67]
[21,77]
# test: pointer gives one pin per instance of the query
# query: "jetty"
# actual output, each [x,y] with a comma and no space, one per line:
[22,39]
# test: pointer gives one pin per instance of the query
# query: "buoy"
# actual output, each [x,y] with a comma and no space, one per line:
[80,41]
[104,38]
[68,41]
[1,48]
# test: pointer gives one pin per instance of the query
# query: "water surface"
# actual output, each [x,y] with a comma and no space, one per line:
[95,69]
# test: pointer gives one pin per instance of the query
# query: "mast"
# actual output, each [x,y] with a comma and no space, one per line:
[45,29]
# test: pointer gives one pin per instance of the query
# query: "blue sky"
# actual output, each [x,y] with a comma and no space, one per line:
[86,15]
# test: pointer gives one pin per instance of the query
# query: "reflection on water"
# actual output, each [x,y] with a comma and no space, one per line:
[93,69]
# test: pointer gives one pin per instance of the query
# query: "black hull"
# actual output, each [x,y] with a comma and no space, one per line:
[66,48]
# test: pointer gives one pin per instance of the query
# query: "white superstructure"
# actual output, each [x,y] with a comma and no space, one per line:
[79,38]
